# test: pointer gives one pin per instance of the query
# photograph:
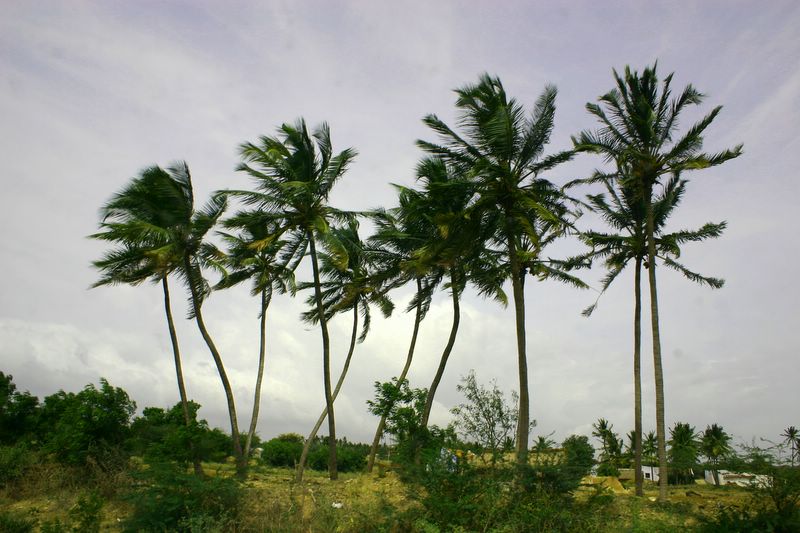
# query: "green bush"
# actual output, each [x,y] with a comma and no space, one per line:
[282,452]
[15,523]
[169,499]
[15,461]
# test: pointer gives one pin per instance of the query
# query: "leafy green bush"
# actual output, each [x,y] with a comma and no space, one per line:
[16,523]
[350,457]
[15,461]
[284,450]
[169,499]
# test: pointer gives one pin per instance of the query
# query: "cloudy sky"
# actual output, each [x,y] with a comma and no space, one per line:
[92,92]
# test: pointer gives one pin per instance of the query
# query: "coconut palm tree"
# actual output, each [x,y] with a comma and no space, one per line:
[502,149]
[638,131]
[130,220]
[344,290]
[683,450]
[178,240]
[792,438]
[253,255]
[715,443]
[624,212]
[294,173]
[398,233]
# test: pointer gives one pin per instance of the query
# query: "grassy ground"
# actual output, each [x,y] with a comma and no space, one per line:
[356,502]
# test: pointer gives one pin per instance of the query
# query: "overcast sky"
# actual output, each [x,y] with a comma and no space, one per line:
[92,92]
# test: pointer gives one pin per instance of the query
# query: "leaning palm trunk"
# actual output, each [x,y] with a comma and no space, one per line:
[301,466]
[637,378]
[173,336]
[658,369]
[241,462]
[373,451]
[261,359]
[326,363]
[445,354]
[523,422]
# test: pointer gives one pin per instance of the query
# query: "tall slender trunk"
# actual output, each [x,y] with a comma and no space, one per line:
[426,413]
[241,462]
[659,372]
[523,422]
[262,350]
[301,466]
[326,363]
[173,337]
[373,451]
[637,378]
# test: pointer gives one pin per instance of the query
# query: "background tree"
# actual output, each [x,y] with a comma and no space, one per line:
[294,173]
[715,444]
[683,451]
[485,417]
[502,148]
[792,438]
[639,124]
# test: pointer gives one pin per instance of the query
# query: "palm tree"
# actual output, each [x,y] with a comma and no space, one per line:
[502,149]
[715,443]
[398,233]
[792,438]
[639,124]
[343,290]
[252,255]
[129,220]
[294,173]
[624,212]
[683,450]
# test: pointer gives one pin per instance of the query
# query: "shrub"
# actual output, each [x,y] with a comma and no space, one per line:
[15,523]
[169,499]
[14,462]
[282,451]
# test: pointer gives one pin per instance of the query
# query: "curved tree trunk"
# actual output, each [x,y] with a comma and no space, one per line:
[301,466]
[241,462]
[426,413]
[658,369]
[326,363]
[261,359]
[373,451]
[173,337]
[523,422]
[637,378]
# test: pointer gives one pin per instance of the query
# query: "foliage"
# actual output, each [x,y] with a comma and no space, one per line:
[683,450]
[773,507]
[17,411]
[485,418]
[11,522]
[283,450]
[169,499]
[15,461]
[90,426]
[350,457]
[611,456]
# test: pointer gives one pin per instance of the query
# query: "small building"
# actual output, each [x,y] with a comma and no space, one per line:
[650,473]
[741,479]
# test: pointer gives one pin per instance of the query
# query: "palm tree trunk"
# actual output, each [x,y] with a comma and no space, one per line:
[659,372]
[637,378]
[326,362]
[173,336]
[241,463]
[426,413]
[261,359]
[523,422]
[373,451]
[301,466]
